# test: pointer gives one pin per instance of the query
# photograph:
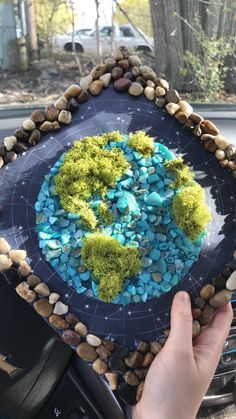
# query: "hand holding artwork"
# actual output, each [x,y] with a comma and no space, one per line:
[181,373]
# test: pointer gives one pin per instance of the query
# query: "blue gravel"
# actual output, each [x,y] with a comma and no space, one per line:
[141,204]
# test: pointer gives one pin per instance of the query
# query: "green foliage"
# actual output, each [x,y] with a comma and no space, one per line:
[190,210]
[88,168]
[207,68]
[141,142]
[181,171]
[105,213]
[112,136]
[110,263]
[139,13]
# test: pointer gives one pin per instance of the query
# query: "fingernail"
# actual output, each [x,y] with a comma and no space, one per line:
[183,297]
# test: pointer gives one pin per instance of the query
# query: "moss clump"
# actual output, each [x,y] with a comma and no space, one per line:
[105,214]
[110,263]
[113,136]
[182,172]
[141,142]
[88,168]
[191,211]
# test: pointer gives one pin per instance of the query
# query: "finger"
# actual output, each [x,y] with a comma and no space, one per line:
[214,335]
[181,322]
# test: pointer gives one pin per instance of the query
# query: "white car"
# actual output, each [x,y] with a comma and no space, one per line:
[85,39]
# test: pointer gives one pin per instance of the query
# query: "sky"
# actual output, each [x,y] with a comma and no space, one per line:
[87,13]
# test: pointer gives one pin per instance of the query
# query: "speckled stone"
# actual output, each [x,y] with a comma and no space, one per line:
[86,352]
[58,322]
[116,73]
[134,60]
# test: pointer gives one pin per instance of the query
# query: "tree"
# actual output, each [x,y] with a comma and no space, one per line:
[32,29]
[99,51]
[139,13]
[175,32]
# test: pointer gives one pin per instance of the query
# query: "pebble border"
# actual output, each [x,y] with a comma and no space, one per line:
[127,74]
[123,368]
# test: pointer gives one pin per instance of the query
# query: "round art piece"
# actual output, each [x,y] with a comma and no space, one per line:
[105,220]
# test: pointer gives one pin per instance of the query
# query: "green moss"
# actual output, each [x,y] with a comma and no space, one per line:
[141,142]
[182,172]
[110,263]
[191,211]
[88,168]
[105,213]
[113,136]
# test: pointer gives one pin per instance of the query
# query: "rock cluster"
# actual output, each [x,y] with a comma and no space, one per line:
[124,369]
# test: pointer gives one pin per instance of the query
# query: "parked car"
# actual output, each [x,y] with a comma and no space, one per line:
[85,40]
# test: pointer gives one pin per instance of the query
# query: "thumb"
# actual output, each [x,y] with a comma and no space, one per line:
[181,322]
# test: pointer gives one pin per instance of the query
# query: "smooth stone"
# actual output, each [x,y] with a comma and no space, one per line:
[24,268]
[122,84]
[116,73]
[9,142]
[58,322]
[72,91]
[83,96]
[147,360]
[38,116]
[139,391]
[4,246]
[206,315]
[53,298]
[149,92]
[112,378]
[21,135]
[155,254]
[221,142]
[134,359]
[95,87]
[86,81]
[28,125]
[154,199]
[103,352]
[24,292]
[5,263]
[131,378]
[160,91]
[65,117]
[73,105]
[105,79]
[155,347]
[116,364]
[209,127]
[127,393]
[61,103]
[71,338]
[100,366]
[17,255]
[60,308]
[157,276]
[135,89]
[35,137]
[207,291]
[43,307]
[86,352]
[199,302]
[49,126]
[160,265]
[134,60]
[142,347]
[42,289]
[221,298]
[81,329]
[72,319]
[231,282]
[93,340]
[51,113]
[196,328]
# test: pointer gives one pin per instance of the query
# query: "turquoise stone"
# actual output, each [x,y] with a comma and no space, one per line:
[154,199]
[153,178]
[54,244]
[155,254]
[165,286]
[161,265]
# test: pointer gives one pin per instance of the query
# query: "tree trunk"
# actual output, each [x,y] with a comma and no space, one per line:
[32,29]
[99,50]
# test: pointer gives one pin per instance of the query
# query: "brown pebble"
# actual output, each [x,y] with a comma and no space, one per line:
[199,302]
[110,64]
[33,280]
[210,128]
[148,73]
[98,71]
[122,84]
[155,347]
[160,102]
[49,126]
[232,165]
[148,358]
[181,117]
[83,96]
[143,347]
[72,319]
[124,64]
[103,352]
[134,359]
[116,73]
[72,91]
[136,71]
[109,344]
[43,307]
[42,289]
[150,83]
[172,96]
[220,154]
[185,107]
[207,137]
[118,55]
[35,137]
[134,60]
[38,116]
[24,292]
[131,378]
[198,130]
[189,124]
[61,103]
[221,142]
[162,82]
[210,146]
[207,291]
[58,322]
[230,152]
[81,329]
[52,113]
[95,87]
[99,366]
[139,391]
[112,378]
[221,298]
[86,352]
[207,315]
[71,338]
[141,373]
[196,328]
[224,163]
[196,313]
[172,108]
[24,268]
[196,118]
[160,91]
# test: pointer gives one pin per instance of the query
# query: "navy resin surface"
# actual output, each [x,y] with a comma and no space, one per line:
[21,181]
[148,224]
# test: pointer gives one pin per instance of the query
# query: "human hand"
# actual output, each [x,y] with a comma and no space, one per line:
[181,373]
